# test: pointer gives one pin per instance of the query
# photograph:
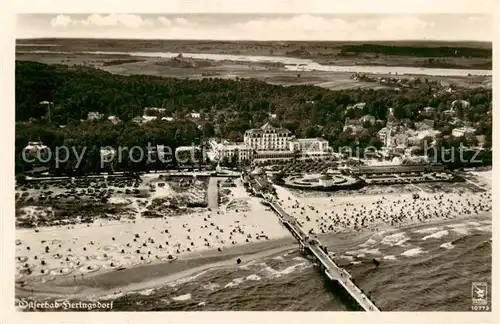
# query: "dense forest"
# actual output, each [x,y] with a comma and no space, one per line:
[227,108]
[441,51]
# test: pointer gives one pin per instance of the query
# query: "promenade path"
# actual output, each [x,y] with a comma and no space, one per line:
[213,193]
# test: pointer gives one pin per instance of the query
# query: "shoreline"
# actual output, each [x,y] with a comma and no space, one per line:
[157,274]
[116,283]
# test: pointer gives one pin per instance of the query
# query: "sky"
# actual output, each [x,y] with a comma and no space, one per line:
[322,27]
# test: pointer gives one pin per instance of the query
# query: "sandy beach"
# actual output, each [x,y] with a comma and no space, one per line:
[80,250]
[377,212]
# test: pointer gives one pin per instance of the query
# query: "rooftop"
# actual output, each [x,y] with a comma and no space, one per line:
[465,129]
[267,128]
[235,146]
[186,148]
[308,140]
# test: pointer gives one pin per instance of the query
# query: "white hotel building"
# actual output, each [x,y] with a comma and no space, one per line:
[268,138]
[238,151]
[268,144]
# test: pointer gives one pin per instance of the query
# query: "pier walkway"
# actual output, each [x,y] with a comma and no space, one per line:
[314,246]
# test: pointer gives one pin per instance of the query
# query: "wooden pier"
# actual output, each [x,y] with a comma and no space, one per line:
[314,247]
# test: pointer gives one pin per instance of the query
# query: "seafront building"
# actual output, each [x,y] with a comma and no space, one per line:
[463,131]
[312,146]
[269,144]
[94,115]
[267,138]
[226,150]
[107,153]
[36,148]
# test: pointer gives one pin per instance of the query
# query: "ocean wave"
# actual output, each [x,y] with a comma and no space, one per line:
[253,277]
[412,252]
[112,296]
[436,235]
[447,246]
[299,259]
[182,297]
[459,240]
[369,251]
[389,257]
[210,286]
[279,258]
[368,243]
[147,292]
[355,262]
[187,279]
[487,228]
[427,230]
[397,239]
[459,228]
[234,283]
[276,274]
[347,257]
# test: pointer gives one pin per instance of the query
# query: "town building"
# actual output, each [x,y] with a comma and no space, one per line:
[169,119]
[354,125]
[188,155]
[194,115]
[164,153]
[144,119]
[309,146]
[93,115]
[260,157]
[424,124]
[428,111]
[267,138]
[359,105]
[418,137]
[149,110]
[450,113]
[368,118]
[238,152]
[114,120]
[463,131]
[36,148]
[108,154]
[383,133]
[459,103]
[391,169]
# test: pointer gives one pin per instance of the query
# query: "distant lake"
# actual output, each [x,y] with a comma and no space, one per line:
[295,64]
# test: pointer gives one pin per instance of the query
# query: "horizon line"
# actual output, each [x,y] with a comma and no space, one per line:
[256,40]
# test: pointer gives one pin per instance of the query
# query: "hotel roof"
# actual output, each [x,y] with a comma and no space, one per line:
[267,128]
[308,140]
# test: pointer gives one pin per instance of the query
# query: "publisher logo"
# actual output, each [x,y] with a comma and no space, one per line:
[480,293]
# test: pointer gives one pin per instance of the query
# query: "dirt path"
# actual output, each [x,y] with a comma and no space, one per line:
[213,193]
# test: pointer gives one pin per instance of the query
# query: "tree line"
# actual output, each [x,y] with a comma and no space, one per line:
[441,51]
[227,108]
